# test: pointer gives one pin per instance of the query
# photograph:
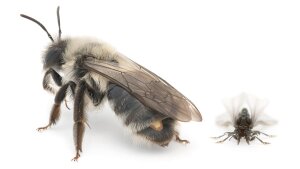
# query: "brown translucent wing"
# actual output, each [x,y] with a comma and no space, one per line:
[147,87]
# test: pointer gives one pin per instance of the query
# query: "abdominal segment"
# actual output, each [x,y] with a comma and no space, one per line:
[142,120]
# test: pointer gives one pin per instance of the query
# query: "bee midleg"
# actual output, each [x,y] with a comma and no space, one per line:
[59,97]
[79,114]
[56,78]
[79,118]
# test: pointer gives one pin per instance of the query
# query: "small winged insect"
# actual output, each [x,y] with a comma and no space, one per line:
[93,71]
[244,114]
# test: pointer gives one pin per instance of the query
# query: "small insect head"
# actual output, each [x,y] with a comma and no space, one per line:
[244,112]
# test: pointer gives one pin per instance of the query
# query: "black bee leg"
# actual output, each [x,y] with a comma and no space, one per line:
[259,132]
[94,93]
[56,78]
[72,87]
[179,140]
[79,118]
[55,112]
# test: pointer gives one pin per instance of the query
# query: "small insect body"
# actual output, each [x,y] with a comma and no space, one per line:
[244,114]
[93,71]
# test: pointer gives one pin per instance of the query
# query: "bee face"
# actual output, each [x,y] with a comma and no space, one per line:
[53,57]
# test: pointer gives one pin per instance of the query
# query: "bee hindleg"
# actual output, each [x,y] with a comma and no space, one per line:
[79,115]
[179,140]
[55,112]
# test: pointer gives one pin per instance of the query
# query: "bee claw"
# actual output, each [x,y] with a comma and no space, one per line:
[40,129]
[75,159]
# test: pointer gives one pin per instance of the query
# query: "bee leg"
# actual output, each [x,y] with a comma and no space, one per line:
[79,118]
[56,78]
[55,112]
[94,93]
[179,140]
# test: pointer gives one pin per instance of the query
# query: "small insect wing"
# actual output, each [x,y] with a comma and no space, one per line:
[257,110]
[233,107]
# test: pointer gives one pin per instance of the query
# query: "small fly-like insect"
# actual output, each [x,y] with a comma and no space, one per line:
[244,113]
[93,71]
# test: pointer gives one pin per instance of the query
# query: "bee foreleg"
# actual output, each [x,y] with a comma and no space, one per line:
[55,112]
[79,118]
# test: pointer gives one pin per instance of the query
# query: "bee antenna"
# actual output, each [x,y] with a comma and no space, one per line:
[58,21]
[37,22]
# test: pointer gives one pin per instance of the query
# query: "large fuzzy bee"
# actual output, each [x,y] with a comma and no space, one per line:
[244,113]
[93,71]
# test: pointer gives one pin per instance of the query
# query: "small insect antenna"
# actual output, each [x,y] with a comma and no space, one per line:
[58,21]
[37,22]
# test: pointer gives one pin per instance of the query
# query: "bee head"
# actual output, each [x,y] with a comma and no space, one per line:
[53,57]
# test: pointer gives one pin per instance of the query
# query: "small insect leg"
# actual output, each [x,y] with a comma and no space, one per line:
[226,133]
[260,140]
[259,132]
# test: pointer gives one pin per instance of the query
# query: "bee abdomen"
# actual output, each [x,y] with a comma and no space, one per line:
[132,111]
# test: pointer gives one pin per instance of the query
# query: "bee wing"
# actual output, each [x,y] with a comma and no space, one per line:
[145,86]
[233,106]
[257,107]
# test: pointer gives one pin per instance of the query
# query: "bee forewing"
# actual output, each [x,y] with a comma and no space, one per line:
[148,88]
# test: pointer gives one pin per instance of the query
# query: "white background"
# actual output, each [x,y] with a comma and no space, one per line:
[208,50]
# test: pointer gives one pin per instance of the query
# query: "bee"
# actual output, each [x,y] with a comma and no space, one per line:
[244,113]
[93,71]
